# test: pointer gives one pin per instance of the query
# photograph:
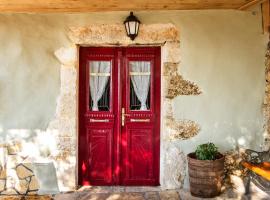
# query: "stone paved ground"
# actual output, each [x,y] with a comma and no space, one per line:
[154,195]
[136,193]
[120,193]
[5,197]
[164,195]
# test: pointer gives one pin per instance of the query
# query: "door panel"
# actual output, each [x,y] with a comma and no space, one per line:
[97,115]
[119,116]
[139,153]
[140,127]
[100,164]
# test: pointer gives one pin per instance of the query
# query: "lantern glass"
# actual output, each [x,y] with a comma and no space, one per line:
[132,26]
[127,28]
[137,28]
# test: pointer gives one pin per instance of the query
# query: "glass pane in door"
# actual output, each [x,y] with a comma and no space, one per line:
[140,79]
[99,85]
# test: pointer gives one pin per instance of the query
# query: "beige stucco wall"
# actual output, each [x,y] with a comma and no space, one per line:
[224,55]
[222,51]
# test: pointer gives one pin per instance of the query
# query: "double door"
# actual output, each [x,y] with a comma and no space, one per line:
[119,116]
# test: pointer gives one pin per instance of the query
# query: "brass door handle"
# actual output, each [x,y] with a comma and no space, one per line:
[123,118]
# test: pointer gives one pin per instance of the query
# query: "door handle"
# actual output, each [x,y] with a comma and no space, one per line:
[123,118]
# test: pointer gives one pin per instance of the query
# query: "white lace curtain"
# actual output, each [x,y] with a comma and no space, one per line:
[140,77]
[99,76]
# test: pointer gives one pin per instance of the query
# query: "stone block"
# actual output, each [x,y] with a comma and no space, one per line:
[3,172]
[142,189]
[13,160]
[170,68]
[22,187]
[13,184]
[3,153]
[2,185]
[68,80]
[126,196]
[67,127]
[169,195]
[66,106]
[117,189]
[10,197]
[35,197]
[67,56]
[171,52]
[267,99]
[115,34]
[10,192]
[182,129]
[267,88]
[268,76]
[233,167]
[33,184]
[66,183]
[151,196]
[178,86]
[174,167]
[14,147]
[24,170]
[21,178]
[32,193]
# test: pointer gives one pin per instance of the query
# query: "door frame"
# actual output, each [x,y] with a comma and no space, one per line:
[158,91]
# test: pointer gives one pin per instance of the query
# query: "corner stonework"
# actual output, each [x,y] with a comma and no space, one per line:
[266,102]
[172,159]
[64,123]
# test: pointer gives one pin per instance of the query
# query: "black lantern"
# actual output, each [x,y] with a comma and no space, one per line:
[132,26]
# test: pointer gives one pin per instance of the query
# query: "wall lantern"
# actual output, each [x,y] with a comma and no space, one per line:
[132,25]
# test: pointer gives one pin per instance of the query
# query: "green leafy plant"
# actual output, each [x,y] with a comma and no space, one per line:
[207,151]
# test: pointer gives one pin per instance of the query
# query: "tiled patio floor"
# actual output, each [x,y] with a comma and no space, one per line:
[136,193]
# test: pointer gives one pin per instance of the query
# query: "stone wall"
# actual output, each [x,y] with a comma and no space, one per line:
[266,103]
[16,172]
[233,168]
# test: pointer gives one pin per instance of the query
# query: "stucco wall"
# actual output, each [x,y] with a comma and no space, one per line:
[222,51]
[225,58]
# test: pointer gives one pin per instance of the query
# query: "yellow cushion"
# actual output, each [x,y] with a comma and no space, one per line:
[262,169]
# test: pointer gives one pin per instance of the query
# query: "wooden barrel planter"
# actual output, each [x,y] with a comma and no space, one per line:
[205,176]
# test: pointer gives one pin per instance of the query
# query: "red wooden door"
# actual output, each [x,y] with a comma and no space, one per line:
[119,116]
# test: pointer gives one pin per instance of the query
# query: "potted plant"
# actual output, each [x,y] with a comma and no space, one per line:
[206,171]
